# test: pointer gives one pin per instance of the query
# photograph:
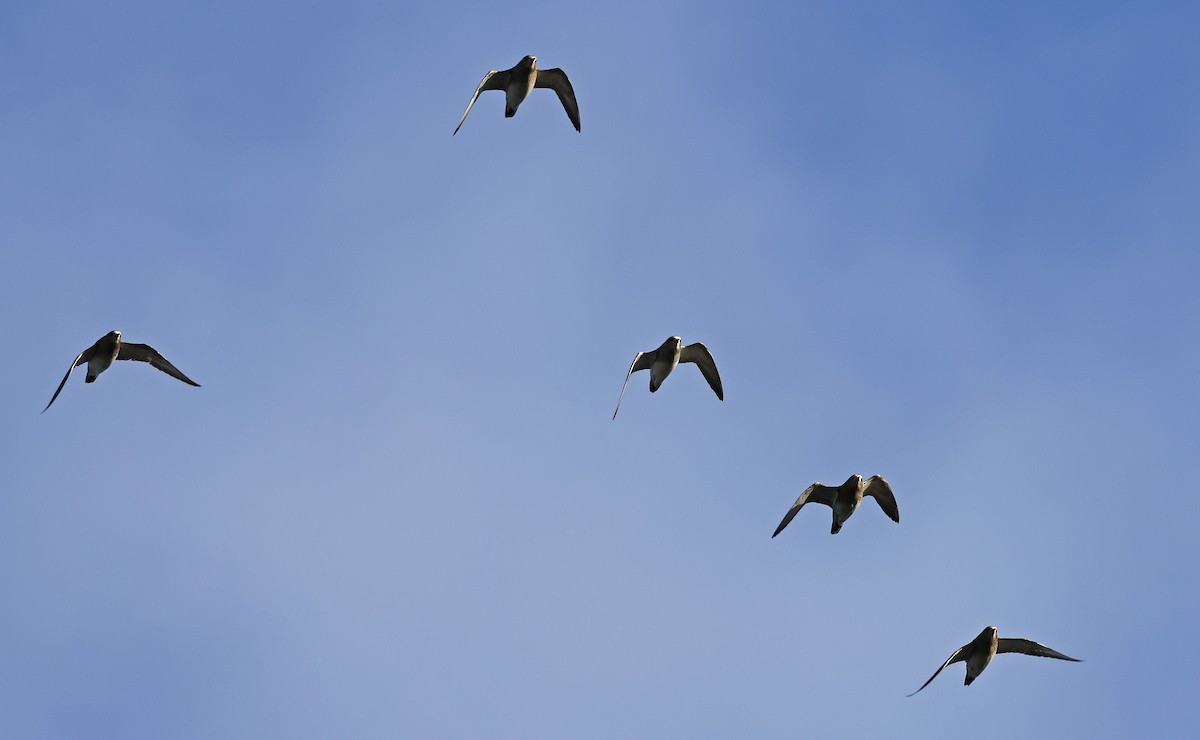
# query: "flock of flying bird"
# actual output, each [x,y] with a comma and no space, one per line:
[517,83]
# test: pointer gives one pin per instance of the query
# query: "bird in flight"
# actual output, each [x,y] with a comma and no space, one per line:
[979,652]
[844,499]
[519,81]
[660,362]
[108,348]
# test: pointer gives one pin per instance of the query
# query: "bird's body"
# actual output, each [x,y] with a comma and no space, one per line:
[662,361]
[978,653]
[521,80]
[104,354]
[666,359]
[845,499]
[983,650]
[110,348]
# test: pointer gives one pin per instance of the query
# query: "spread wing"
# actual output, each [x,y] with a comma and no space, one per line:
[699,354]
[556,80]
[1029,647]
[83,357]
[146,353]
[879,489]
[817,493]
[494,80]
[642,361]
[957,655]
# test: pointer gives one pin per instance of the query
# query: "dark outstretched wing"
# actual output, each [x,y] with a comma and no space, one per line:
[957,655]
[879,489]
[817,493]
[699,354]
[556,80]
[493,80]
[1029,647]
[83,357]
[146,353]
[642,361]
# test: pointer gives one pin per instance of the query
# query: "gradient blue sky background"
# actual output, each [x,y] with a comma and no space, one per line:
[953,245]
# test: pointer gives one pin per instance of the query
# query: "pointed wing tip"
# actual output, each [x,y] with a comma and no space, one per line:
[1060,656]
[787,519]
[908,696]
[52,399]
[178,375]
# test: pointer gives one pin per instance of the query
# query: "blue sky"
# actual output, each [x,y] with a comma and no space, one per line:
[956,246]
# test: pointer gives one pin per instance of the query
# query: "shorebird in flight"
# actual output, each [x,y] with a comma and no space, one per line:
[844,499]
[108,348]
[979,652]
[519,81]
[660,362]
